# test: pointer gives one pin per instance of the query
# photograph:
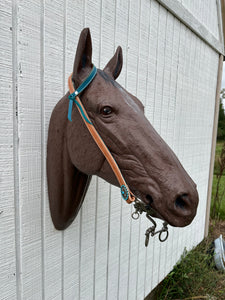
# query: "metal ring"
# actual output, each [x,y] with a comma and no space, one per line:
[133,215]
[167,234]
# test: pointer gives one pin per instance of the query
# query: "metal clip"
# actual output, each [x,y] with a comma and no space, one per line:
[140,207]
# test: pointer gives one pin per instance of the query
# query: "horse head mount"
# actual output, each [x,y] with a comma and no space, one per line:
[108,135]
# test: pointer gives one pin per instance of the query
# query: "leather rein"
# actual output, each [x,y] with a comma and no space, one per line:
[126,194]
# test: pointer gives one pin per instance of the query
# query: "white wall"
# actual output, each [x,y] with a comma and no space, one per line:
[206,11]
[171,70]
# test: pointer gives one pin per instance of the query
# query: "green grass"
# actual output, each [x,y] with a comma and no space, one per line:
[221,212]
[194,276]
[219,146]
[221,209]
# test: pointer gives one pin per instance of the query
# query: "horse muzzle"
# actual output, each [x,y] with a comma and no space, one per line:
[178,210]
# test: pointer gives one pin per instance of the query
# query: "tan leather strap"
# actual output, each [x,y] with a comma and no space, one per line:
[125,191]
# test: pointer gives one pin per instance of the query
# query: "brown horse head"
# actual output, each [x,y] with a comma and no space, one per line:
[150,168]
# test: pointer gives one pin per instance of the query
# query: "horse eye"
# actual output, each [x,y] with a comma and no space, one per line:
[106,110]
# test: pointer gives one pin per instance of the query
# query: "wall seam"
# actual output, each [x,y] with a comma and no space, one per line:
[110,187]
[64,91]
[161,115]
[108,244]
[19,282]
[176,129]
[126,80]
[137,80]
[43,165]
[146,92]
[81,209]
[168,107]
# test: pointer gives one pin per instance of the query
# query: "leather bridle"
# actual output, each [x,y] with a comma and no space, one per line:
[74,98]
[126,194]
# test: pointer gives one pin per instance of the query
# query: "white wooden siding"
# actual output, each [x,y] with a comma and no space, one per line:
[8,233]
[206,11]
[171,70]
[204,18]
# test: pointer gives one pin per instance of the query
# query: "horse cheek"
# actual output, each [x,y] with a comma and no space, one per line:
[84,153]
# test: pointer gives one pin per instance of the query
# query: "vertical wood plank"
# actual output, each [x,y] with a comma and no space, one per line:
[103,191]
[181,115]
[101,247]
[116,205]
[92,19]
[53,72]
[169,32]
[72,236]
[149,111]
[29,130]
[112,195]
[123,211]
[114,243]
[176,65]
[133,55]
[8,275]
[196,67]
[142,79]
[159,89]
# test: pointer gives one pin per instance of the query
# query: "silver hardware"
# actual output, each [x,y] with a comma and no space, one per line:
[140,207]
[135,215]
[76,93]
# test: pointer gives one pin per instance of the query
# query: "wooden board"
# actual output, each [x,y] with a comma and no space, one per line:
[9,236]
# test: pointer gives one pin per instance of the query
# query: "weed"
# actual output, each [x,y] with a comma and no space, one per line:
[194,277]
[220,189]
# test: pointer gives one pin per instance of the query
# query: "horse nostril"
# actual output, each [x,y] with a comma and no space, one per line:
[182,201]
[149,198]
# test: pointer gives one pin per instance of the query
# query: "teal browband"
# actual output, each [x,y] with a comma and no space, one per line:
[72,97]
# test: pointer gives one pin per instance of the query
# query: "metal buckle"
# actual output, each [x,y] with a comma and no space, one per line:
[140,207]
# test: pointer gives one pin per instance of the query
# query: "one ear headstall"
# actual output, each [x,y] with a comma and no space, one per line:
[73,97]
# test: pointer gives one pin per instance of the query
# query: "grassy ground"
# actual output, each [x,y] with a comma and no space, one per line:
[219,146]
[221,211]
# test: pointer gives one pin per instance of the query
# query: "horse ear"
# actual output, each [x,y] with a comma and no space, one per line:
[114,66]
[83,58]
[67,186]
